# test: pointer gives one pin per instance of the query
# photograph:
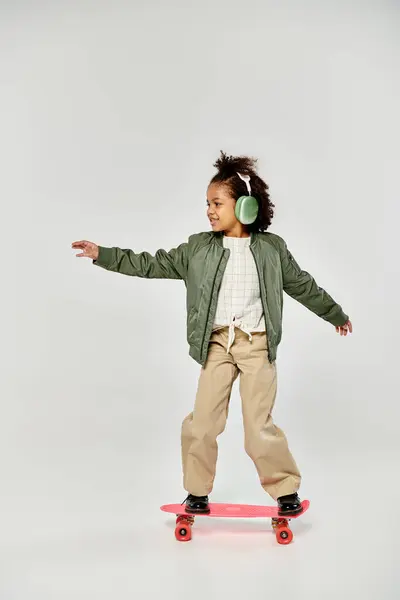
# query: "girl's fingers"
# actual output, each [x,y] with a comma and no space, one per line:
[82,244]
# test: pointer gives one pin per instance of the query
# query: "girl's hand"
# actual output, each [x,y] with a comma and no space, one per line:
[90,250]
[346,328]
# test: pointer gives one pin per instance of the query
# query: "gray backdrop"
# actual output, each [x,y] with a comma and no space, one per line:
[111,115]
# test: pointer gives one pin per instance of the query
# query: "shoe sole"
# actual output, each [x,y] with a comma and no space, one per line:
[291,513]
[197,512]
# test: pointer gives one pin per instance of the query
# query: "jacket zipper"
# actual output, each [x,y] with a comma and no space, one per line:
[262,301]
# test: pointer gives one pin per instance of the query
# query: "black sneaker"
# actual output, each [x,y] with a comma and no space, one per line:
[289,505]
[197,504]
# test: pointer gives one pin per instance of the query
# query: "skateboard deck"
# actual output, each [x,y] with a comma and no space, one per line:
[280,524]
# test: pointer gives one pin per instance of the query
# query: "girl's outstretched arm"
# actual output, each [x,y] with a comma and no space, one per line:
[301,286]
[163,264]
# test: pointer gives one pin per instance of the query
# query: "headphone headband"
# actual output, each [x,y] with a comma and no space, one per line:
[246,179]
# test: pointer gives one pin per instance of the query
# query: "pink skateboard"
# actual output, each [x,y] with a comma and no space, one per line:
[184,520]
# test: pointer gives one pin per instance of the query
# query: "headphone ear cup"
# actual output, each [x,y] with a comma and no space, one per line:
[246,209]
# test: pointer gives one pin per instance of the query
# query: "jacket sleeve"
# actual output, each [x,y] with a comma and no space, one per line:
[301,286]
[161,265]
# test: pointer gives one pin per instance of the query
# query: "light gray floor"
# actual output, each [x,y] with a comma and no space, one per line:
[85,536]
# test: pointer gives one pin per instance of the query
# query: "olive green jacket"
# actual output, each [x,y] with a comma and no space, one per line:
[200,263]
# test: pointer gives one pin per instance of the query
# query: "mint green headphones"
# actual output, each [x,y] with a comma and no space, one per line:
[246,209]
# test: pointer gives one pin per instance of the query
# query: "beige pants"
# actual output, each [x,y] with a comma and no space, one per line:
[265,443]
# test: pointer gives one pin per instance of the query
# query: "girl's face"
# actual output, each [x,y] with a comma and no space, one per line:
[221,210]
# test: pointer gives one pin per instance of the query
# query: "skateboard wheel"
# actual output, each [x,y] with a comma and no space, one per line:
[283,535]
[183,531]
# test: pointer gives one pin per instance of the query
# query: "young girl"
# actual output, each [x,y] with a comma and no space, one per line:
[235,276]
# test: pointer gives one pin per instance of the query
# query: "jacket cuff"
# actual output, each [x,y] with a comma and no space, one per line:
[105,258]
[339,318]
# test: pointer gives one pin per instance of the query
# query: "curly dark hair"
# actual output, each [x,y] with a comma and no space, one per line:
[228,167]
